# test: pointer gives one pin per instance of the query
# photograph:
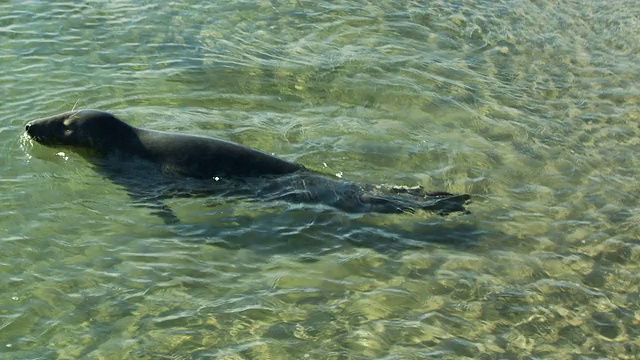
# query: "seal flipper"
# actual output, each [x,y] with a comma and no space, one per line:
[398,199]
[445,204]
[157,207]
[165,213]
[417,191]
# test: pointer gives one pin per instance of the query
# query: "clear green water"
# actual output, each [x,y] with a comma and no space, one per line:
[533,107]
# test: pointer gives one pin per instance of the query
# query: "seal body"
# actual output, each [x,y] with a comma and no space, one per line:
[188,155]
[218,166]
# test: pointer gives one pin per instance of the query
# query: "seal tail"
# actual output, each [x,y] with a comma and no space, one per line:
[445,203]
[441,203]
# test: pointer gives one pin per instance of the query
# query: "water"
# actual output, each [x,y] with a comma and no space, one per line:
[530,106]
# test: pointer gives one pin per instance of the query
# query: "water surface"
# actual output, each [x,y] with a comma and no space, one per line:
[530,106]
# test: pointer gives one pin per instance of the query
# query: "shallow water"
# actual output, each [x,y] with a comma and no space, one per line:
[530,106]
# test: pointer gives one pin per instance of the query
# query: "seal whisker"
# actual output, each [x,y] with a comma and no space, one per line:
[76,104]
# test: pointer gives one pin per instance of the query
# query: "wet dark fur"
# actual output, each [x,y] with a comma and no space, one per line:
[213,166]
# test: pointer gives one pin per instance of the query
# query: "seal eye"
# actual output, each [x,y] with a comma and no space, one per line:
[67,125]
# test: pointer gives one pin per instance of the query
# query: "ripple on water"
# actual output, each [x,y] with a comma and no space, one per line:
[530,107]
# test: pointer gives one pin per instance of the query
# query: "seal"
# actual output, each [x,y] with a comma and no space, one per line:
[218,166]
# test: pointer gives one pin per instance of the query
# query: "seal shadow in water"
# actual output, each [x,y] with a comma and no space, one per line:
[154,165]
[319,231]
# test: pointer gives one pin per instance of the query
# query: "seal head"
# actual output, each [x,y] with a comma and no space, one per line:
[83,129]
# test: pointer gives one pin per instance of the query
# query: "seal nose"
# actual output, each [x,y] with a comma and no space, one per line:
[30,128]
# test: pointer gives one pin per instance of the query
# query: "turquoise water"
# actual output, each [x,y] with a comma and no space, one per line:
[530,106]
